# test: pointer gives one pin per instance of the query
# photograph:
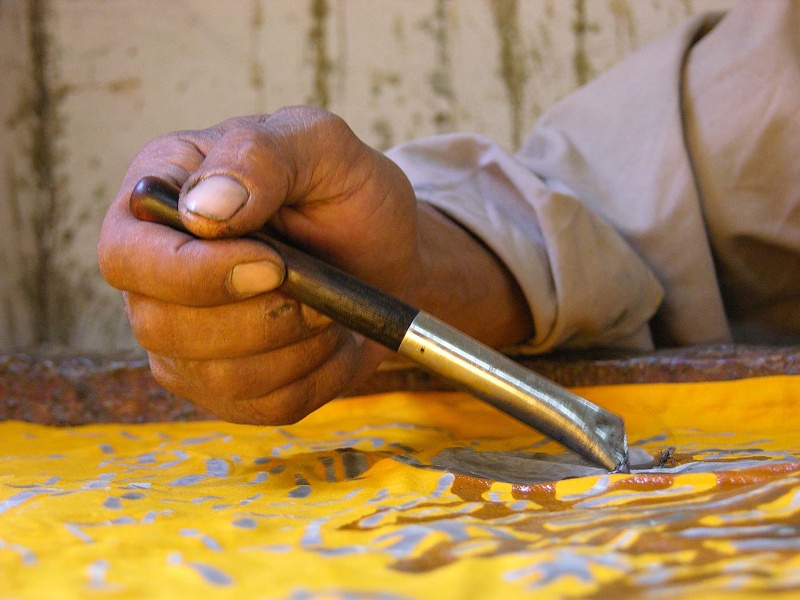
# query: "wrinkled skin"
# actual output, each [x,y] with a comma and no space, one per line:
[221,336]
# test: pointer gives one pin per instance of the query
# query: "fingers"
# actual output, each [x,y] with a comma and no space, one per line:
[302,170]
[156,261]
[200,304]
[235,177]
[274,388]
[253,326]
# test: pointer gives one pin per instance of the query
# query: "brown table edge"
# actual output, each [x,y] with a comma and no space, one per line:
[63,387]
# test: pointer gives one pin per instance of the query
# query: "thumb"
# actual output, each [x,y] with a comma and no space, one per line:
[254,166]
[244,178]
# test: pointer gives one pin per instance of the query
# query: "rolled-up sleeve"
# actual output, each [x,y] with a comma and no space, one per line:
[601,216]
[584,284]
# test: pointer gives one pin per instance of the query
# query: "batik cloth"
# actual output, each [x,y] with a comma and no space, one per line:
[349,503]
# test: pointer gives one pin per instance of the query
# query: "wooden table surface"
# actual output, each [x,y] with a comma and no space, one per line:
[63,388]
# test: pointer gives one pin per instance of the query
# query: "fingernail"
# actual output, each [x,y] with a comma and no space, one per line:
[314,319]
[217,197]
[250,279]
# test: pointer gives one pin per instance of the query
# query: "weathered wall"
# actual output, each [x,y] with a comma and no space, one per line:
[19,158]
[87,82]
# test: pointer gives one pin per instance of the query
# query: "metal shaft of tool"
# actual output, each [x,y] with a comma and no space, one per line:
[574,422]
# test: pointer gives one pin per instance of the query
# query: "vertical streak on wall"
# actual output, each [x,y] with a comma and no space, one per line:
[512,68]
[580,60]
[13,323]
[318,41]
[624,27]
[441,78]
[339,63]
[256,67]
[42,157]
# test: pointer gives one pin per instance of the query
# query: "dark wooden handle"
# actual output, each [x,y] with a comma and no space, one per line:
[347,300]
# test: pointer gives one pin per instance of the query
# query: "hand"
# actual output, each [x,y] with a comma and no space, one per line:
[205,309]
[200,308]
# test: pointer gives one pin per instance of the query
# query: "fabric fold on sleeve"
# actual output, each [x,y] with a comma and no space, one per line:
[619,144]
[584,284]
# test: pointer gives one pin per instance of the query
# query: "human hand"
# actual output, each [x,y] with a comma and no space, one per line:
[205,309]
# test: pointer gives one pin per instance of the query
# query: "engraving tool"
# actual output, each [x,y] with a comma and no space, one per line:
[579,425]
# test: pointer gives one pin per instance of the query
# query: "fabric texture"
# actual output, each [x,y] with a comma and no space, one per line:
[348,504]
[658,203]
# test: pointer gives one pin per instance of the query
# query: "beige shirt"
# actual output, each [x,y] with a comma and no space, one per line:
[659,204]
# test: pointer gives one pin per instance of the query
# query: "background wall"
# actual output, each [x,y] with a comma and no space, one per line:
[86,83]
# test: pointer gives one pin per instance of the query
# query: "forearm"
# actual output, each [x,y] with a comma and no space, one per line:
[463,282]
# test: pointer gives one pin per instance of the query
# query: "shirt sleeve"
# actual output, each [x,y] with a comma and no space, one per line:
[742,84]
[584,284]
[598,216]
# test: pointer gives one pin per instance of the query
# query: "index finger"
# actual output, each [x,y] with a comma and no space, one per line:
[157,261]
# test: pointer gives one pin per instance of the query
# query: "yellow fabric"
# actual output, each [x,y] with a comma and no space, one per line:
[344,504]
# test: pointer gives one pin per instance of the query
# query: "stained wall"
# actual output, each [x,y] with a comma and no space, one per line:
[86,83]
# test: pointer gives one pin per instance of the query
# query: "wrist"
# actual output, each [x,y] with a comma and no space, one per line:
[463,282]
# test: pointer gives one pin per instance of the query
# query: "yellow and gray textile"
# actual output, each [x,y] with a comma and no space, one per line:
[372,497]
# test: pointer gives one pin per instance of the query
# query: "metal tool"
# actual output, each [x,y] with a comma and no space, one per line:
[594,433]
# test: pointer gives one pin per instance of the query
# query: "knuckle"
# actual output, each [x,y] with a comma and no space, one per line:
[168,374]
[238,122]
[220,381]
[160,149]
[148,328]
[176,331]
[311,119]
[107,261]
[283,407]
[300,113]
[245,137]
[210,384]
[135,313]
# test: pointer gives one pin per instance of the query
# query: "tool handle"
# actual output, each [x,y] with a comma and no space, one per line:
[336,294]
